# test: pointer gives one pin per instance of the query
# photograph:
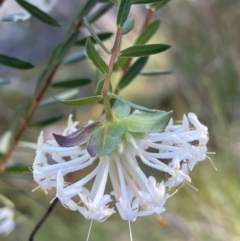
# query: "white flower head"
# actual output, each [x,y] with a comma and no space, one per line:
[173,149]
[7,223]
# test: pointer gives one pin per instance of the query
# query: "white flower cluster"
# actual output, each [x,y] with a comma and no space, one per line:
[174,152]
[6,221]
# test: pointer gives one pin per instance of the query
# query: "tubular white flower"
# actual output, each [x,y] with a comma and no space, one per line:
[174,151]
[7,223]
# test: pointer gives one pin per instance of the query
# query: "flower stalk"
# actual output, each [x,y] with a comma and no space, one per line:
[107,81]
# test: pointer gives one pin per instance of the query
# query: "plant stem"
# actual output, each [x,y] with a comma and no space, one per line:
[43,219]
[147,19]
[49,211]
[105,88]
[129,61]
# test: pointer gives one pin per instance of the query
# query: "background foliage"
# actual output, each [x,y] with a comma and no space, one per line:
[205,79]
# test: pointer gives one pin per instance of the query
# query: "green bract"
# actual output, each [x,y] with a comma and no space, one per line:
[146,122]
[105,140]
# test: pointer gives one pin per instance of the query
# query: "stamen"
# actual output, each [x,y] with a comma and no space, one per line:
[53,199]
[212,160]
[192,186]
[90,227]
[130,231]
[35,188]
[161,221]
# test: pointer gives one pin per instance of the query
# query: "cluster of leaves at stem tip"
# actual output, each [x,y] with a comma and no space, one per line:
[129,61]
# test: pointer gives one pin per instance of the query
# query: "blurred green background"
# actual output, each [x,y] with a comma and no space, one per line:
[205,62]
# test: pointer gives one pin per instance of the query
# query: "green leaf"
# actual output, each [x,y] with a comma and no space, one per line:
[148,32]
[95,57]
[128,26]
[45,122]
[155,72]
[123,11]
[99,87]
[17,168]
[157,6]
[72,39]
[99,12]
[65,95]
[42,78]
[120,110]
[146,1]
[134,70]
[105,140]
[4,81]
[54,56]
[140,1]
[72,83]
[15,63]
[144,50]
[94,35]
[79,102]
[146,122]
[75,57]
[18,117]
[37,13]
[85,10]
[100,83]
[101,36]
[138,107]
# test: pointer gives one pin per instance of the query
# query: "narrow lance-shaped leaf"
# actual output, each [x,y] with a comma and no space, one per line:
[105,140]
[79,102]
[72,39]
[99,87]
[144,50]
[18,117]
[46,122]
[140,1]
[37,13]
[18,168]
[42,78]
[128,26]
[134,70]
[86,8]
[101,36]
[76,138]
[158,5]
[99,12]
[146,122]
[14,62]
[54,56]
[155,72]
[138,107]
[72,83]
[123,11]
[148,32]
[64,95]
[146,1]
[95,57]
[75,57]
[94,35]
